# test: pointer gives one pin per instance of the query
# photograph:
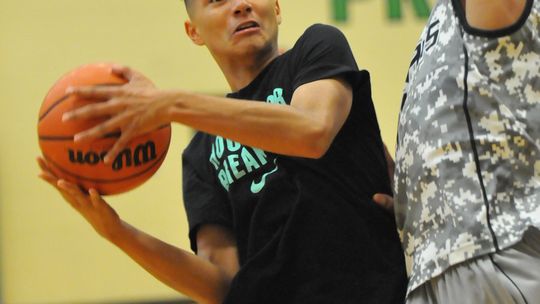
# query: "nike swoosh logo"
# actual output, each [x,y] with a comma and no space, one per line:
[256,187]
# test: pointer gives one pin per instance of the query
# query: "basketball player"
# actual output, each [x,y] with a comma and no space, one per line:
[278,182]
[467,179]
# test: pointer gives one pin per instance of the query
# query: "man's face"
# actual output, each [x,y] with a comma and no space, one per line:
[229,27]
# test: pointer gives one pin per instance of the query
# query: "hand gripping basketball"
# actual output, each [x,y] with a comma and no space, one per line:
[135,108]
[83,162]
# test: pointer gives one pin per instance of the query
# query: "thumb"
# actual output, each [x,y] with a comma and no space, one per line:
[122,71]
[385,201]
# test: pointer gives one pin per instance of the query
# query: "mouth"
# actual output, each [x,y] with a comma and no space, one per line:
[246,26]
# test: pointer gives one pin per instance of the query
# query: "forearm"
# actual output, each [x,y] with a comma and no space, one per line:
[275,128]
[305,128]
[493,14]
[177,268]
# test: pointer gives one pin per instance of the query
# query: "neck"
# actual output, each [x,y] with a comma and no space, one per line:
[241,70]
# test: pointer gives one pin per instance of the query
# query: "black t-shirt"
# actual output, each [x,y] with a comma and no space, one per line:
[307,230]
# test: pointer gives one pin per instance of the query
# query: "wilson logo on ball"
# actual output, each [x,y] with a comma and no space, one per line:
[82,162]
[139,156]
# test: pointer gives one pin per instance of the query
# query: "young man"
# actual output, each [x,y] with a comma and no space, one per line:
[467,179]
[277,183]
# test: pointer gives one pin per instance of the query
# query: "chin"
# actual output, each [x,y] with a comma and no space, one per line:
[256,48]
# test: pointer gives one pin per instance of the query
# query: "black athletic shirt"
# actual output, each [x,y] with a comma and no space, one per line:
[307,230]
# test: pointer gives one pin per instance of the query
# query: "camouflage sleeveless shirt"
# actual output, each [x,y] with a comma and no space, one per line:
[467,177]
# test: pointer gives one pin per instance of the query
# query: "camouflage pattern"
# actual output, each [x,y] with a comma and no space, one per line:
[467,177]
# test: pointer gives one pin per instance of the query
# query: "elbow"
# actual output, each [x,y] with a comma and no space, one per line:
[317,143]
[215,296]
[211,301]
[315,151]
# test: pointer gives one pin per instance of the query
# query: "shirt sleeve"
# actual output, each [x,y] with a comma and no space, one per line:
[204,200]
[323,52]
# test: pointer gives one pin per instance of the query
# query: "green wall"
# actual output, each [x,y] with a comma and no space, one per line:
[48,254]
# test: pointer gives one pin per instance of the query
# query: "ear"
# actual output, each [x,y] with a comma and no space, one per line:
[192,33]
[278,12]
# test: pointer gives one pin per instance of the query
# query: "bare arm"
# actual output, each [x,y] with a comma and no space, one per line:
[305,128]
[205,278]
[218,245]
[493,14]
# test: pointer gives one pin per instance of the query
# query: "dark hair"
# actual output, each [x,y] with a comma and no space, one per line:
[187,4]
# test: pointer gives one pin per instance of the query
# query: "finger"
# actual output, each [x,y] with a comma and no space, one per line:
[122,71]
[69,188]
[70,192]
[94,92]
[43,164]
[95,110]
[119,145]
[74,194]
[52,180]
[95,197]
[46,174]
[385,201]
[132,76]
[102,129]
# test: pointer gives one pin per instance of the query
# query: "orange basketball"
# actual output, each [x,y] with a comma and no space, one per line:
[82,163]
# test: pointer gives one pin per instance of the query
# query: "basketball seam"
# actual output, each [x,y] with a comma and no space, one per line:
[56,103]
[70,137]
[97,180]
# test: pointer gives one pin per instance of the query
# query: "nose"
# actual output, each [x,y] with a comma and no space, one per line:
[242,7]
